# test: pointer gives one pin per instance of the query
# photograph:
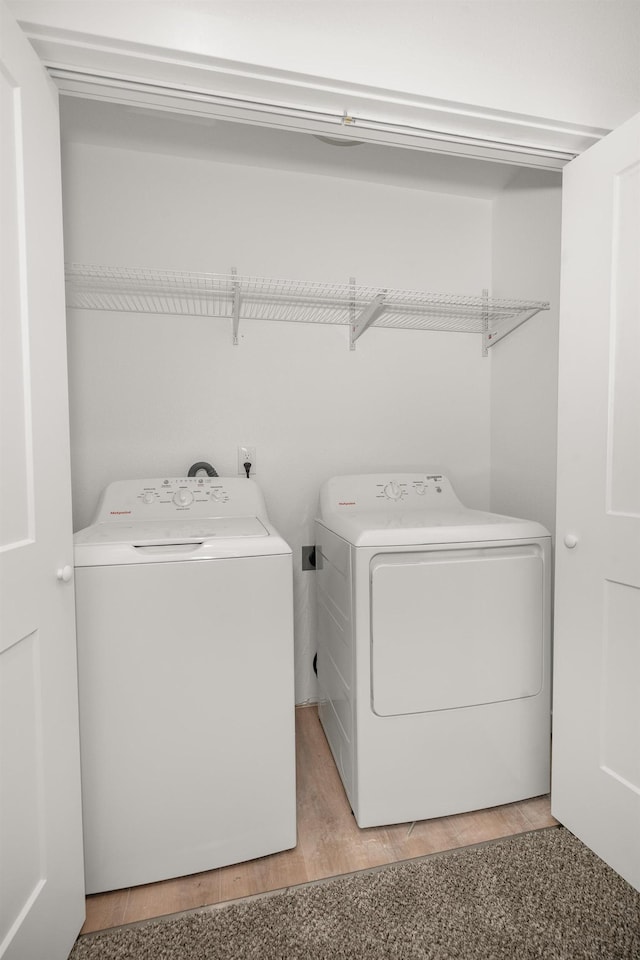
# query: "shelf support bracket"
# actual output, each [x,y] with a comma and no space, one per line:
[236,306]
[352,310]
[485,323]
[510,326]
[370,313]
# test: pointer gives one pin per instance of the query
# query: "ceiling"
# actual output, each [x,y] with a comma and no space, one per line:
[102,123]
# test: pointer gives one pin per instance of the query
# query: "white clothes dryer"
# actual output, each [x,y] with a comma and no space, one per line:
[185,651]
[433,648]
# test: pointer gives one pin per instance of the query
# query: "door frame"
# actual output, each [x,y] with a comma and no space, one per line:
[121,71]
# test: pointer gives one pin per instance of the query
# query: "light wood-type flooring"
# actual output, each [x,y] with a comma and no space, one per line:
[329,843]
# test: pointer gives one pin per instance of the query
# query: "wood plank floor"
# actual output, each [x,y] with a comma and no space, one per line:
[329,843]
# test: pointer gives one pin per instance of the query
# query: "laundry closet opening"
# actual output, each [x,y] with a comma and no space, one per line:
[151,393]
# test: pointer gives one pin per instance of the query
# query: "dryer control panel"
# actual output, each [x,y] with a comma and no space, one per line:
[165,497]
[367,492]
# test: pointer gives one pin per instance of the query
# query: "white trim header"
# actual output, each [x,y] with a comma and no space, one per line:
[165,79]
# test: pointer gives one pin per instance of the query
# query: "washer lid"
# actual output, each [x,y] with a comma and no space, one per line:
[146,533]
[158,541]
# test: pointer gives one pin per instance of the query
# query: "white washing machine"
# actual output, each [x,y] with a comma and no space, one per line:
[185,651]
[433,648]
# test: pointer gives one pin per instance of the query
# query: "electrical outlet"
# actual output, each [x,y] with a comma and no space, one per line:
[246,454]
[309,557]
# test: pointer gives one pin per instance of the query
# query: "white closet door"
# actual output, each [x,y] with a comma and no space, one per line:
[596,745]
[41,869]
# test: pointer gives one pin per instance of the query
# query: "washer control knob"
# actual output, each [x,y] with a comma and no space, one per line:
[148,497]
[392,491]
[182,498]
[217,494]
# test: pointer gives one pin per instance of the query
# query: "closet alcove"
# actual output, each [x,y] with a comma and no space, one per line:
[424,259]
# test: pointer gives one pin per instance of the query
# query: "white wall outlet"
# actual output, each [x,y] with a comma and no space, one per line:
[246,454]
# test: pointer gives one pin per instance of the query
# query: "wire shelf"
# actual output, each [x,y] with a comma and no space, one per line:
[141,290]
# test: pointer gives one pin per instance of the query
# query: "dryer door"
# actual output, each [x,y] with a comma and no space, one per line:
[457,627]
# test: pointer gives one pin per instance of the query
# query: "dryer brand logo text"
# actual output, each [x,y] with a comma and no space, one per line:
[346,503]
[118,513]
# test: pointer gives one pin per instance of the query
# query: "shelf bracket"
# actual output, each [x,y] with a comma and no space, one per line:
[485,323]
[370,313]
[490,338]
[236,306]
[352,310]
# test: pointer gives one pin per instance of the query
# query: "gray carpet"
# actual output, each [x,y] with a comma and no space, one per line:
[542,895]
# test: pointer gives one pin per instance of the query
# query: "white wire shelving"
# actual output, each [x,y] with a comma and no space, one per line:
[142,290]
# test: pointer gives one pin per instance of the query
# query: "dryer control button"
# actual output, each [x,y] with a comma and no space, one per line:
[392,491]
[182,498]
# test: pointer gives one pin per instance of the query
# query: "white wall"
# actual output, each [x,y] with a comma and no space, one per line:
[151,395]
[524,366]
[571,60]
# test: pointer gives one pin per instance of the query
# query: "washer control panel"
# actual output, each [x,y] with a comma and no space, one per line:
[158,499]
[412,491]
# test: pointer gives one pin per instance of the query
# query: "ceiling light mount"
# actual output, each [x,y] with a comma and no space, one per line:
[346,121]
[338,141]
